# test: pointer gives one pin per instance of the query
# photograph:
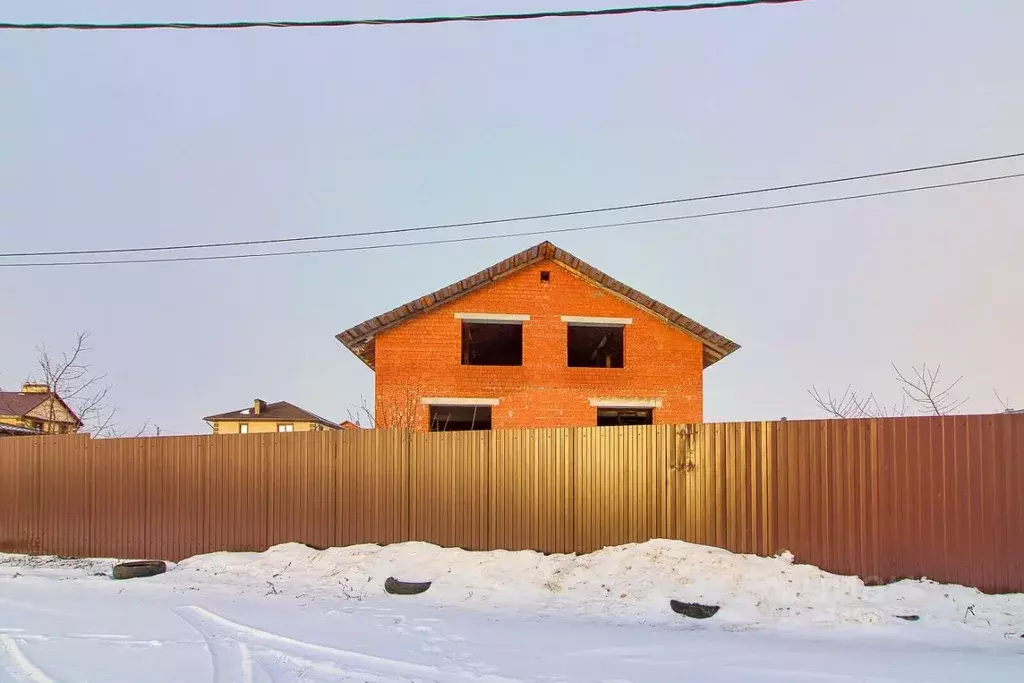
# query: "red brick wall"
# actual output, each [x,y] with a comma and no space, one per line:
[423,358]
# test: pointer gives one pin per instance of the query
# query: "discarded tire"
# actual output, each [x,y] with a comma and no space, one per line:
[693,610]
[139,569]
[396,587]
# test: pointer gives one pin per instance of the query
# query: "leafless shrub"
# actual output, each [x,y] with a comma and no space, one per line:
[396,410]
[922,388]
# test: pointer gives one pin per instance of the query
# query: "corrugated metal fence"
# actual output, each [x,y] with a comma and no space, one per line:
[882,499]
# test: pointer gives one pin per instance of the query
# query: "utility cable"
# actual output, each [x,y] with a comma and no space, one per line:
[339,23]
[516,219]
[477,238]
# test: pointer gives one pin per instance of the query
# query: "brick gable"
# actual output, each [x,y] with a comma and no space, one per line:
[422,356]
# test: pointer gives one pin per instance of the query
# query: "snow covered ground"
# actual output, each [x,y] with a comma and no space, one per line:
[296,614]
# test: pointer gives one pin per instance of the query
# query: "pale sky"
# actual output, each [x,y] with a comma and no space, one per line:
[149,138]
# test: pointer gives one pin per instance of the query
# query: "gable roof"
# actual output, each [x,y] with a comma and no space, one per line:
[18,404]
[360,339]
[21,403]
[277,412]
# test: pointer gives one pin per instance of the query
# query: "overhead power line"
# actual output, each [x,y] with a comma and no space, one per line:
[515,219]
[340,23]
[551,231]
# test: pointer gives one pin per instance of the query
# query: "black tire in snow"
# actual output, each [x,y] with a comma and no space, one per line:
[139,569]
[693,609]
[395,587]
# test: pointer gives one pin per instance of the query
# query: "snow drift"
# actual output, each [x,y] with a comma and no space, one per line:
[625,583]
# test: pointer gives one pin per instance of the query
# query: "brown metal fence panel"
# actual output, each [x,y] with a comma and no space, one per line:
[19,495]
[301,487]
[531,490]
[448,487]
[175,475]
[601,488]
[117,498]
[883,499]
[372,490]
[63,500]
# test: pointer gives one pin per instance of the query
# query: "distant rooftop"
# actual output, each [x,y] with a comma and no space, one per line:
[277,412]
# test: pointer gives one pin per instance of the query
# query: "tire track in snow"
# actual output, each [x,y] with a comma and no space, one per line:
[22,667]
[287,645]
[332,661]
[230,658]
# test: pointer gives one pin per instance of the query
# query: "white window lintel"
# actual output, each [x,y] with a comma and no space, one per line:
[592,321]
[625,402]
[441,401]
[492,317]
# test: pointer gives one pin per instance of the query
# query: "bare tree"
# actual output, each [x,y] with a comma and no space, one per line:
[397,410]
[930,395]
[70,376]
[923,389]
[853,405]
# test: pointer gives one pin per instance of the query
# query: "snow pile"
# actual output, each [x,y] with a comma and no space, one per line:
[628,583]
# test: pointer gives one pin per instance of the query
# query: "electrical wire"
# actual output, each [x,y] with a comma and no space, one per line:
[515,219]
[477,238]
[339,23]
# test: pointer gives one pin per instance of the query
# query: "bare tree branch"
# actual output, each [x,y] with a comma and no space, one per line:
[852,405]
[1007,407]
[926,390]
[71,378]
[394,411]
[845,406]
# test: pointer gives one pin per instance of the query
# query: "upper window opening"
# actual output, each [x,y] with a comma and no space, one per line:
[545,275]
[615,417]
[485,343]
[459,418]
[595,347]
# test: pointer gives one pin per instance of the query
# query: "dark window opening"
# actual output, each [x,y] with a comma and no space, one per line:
[595,347]
[492,343]
[459,418]
[614,417]
[545,276]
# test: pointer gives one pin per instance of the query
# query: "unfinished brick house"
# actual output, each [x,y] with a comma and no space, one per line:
[541,339]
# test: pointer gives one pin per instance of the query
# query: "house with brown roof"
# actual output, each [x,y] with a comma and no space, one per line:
[264,417]
[541,339]
[36,410]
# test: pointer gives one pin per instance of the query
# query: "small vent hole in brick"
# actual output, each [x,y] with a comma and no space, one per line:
[545,276]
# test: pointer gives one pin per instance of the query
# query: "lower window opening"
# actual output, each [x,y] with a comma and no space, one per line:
[615,417]
[460,418]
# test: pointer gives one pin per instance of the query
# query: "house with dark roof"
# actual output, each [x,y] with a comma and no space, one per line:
[541,339]
[36,410]
[264,417]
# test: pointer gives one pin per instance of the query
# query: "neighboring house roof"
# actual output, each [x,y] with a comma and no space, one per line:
[348,424]
[360,339]
[20,403]
[282,411]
